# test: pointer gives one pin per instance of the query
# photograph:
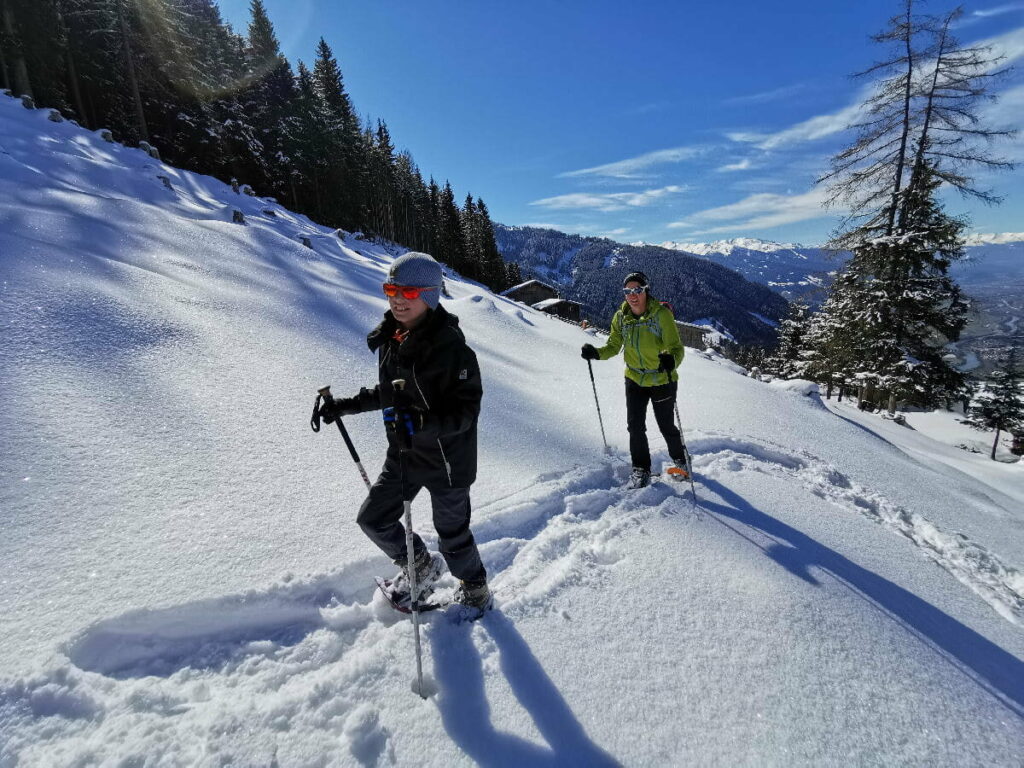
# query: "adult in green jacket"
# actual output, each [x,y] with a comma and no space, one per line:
[647,333]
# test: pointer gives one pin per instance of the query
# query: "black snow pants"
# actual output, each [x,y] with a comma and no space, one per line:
[662,399]
[380,517]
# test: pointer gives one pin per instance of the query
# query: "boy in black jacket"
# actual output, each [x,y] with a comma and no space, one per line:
[420,342]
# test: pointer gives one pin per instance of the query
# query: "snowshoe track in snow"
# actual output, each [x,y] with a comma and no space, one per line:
[325,646]
[564,532]
[998,584]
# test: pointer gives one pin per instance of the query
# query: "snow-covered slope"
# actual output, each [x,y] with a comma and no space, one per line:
[183,581]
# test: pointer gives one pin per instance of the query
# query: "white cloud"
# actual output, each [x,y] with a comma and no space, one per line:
[742,165]
[998,11]
[1008,113]
[817,127]
[766,96]
[616,201]
[630,168]
[547,225]
[1009,44]
[758,212]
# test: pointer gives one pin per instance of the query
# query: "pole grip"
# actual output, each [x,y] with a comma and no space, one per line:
[324,393]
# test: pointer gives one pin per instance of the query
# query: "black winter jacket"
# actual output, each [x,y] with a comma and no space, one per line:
[443,390]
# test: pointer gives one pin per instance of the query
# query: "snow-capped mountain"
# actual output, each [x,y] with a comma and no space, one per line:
[793,270]
[728,247]
[590,270]
[183,581]
[1002,238]
[992,275]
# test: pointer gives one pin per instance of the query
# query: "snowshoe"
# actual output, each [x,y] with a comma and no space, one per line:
[678,471]
[428,570]
[640,478]
[400,600]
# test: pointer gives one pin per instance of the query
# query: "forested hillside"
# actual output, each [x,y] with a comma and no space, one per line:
[590,270]
[174,75]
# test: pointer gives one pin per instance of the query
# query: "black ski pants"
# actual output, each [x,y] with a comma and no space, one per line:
[380,517]
[662,399]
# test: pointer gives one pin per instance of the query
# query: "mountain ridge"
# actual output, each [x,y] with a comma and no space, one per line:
[589,270]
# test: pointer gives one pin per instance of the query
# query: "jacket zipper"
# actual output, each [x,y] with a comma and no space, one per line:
[417,383]
[447,466]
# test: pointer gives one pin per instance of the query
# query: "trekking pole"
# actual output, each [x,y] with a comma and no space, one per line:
[590,367]
[324,394]
[686,451]
[404,428]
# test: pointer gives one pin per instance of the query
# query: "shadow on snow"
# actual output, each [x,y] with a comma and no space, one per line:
[994,669]
[466,713]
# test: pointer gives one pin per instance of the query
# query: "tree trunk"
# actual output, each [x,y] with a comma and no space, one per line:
[133,83]
[892,403]
[995,443]
[20,80]
[5,74]
[905,135]
[922,141]
[72,74]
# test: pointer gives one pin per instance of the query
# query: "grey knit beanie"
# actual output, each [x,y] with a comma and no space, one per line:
[419,270]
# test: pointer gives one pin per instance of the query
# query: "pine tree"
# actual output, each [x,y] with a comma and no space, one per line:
[787,362]
[344,142]
[894,306]
[173,73]
[494,275]
[514,276]
[1000,404]
[450,238]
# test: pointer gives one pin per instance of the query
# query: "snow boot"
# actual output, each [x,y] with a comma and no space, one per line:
[428,570]
[474,595]
[640,478]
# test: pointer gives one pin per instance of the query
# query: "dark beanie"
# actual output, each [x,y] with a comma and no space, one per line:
[636,277]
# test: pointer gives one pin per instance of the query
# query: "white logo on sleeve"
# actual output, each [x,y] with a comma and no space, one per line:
[463,374]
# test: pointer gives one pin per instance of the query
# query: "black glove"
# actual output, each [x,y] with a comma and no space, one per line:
[332,409]
[589,352]
[666,363]
[410,422]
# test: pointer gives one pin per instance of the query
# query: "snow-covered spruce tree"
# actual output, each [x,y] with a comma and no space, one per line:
[999,404]
[829,345]
[894,306]
[786,361]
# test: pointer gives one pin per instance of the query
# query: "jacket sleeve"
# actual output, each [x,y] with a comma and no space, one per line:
[368,399]
[670,337]
[466,392]
[614,344]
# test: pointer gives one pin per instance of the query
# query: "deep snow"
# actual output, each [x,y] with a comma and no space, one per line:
[183,582]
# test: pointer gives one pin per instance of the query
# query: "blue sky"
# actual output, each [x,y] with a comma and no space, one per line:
[687,121]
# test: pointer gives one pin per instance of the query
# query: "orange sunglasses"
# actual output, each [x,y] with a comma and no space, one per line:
[408,292]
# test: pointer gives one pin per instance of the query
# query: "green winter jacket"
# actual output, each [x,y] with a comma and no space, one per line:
[644,337]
